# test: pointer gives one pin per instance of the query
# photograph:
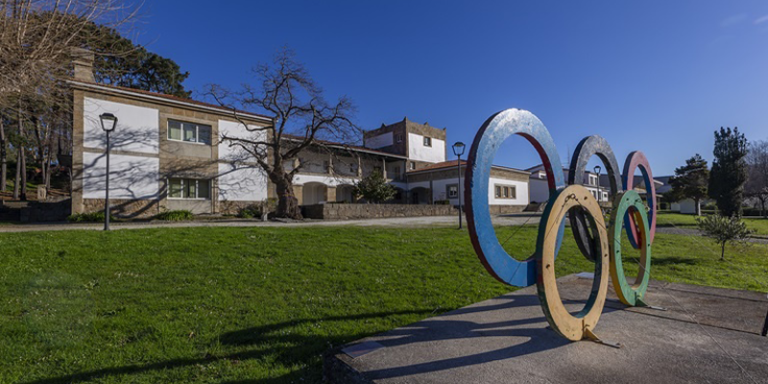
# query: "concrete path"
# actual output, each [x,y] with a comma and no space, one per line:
[696,232]
[424,221]
[706,335]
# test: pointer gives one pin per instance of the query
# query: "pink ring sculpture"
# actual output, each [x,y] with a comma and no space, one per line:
[634,160]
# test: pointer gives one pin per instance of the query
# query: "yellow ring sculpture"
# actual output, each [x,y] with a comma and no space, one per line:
[571,327]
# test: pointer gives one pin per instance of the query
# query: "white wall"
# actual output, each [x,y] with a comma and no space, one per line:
[130,177]
[521,196]
[230,152]
[686,206]
[380,141]
[241,183]
[439,190]
[301,179]
[137,128]
[417,150]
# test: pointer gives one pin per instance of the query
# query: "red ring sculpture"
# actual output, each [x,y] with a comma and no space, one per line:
[636,160]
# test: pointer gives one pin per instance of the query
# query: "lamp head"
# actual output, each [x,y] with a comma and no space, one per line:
[108,122]
[458,148]
[597,169]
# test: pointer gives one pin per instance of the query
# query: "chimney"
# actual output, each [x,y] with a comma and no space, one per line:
[82,59]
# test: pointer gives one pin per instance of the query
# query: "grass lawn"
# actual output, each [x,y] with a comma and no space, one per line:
[258,304]
[758,224]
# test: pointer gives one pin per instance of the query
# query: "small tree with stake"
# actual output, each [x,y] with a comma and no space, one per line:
[374,188]
[724,230]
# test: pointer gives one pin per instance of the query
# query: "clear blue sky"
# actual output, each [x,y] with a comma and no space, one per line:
[658,76]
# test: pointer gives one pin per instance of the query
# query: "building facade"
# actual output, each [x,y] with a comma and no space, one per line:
[169,153]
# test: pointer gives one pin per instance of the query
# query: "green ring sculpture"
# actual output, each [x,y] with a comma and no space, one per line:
[631,201]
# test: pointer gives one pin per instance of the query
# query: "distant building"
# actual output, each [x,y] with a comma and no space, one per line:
[167,153]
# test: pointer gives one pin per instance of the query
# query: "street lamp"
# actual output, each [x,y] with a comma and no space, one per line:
[458,150]
[108,123]
[597,170]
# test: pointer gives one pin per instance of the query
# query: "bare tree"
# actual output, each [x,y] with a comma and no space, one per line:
[757,181]
[301,118]
[36,42]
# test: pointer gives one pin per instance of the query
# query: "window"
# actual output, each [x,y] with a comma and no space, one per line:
[397,172]
[352,168]
[452,190]
[427,141]
[189,189]
[189,132]
[413,165]
[399,138]
[505,192]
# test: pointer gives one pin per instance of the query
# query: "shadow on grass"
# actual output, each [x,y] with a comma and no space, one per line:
[308,346]
[672,260]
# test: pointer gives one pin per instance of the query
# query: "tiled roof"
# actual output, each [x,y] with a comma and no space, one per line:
[454,164]
[347,146]
[167,97]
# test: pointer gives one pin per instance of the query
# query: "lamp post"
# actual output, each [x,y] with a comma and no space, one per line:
[108,123]
[458,150]
[597,170]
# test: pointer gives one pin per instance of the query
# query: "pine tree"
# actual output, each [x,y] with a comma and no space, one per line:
[690,182]
[729,171]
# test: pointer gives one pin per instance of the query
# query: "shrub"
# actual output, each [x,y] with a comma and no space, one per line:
[374,188]
[723,230]
[249,212]
[178,215]
[442,202]
[92,217]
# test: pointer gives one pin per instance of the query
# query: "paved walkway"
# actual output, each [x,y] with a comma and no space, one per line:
[696,232]
[425,221]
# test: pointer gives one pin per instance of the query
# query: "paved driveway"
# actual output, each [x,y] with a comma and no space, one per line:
[424,221]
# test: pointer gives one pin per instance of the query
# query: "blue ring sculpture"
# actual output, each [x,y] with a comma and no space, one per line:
[489,138]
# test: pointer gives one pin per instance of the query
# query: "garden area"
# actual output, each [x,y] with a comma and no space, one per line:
[262,304]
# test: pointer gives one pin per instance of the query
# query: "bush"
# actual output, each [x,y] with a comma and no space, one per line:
[249,212]
[442,202]
[93,217]
[723,230]
[374,188]
[178,215]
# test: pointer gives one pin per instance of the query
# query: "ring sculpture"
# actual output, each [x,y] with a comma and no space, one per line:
[596,241]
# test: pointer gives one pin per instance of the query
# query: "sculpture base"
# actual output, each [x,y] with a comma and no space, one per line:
[704,335]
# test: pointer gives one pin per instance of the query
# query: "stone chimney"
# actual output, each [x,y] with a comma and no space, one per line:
[82,59]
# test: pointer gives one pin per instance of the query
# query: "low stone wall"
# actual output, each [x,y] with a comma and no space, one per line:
[334,211]
[505,209]
[42,211]
[124,208]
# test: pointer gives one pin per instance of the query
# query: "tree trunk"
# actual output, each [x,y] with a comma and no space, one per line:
[722,252]
[3,157]
[18,177]
[287,204]
[23,166]
[697,202]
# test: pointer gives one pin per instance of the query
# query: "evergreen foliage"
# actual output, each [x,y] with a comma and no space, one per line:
[690,182]
[724,230]
[374,188]
[729,171]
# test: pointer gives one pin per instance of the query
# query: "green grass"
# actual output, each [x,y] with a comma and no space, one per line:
[758,224]
[259,304]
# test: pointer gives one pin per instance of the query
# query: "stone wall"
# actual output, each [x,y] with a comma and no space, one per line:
[42,211]
[334,211]
[124,208]
[505,209]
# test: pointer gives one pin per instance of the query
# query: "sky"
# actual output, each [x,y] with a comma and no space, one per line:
[655,76]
